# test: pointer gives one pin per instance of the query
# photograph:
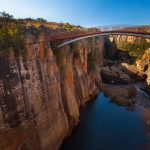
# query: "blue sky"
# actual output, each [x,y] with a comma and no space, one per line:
[82,12]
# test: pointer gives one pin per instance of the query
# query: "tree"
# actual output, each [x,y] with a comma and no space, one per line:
[41,20]
[4,15]
[5,18]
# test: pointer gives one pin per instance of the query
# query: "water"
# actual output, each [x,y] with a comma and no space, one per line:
[106,126]
[143,92]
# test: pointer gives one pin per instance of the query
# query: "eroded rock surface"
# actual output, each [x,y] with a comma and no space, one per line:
[122,73]
[41,92]
[144,65]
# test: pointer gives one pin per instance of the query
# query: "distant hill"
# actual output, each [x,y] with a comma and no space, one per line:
[114,27]
[144,28]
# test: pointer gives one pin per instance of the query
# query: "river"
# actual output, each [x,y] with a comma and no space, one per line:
[106,126]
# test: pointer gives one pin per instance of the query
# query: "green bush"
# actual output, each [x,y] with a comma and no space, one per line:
[70,27]
[11,35]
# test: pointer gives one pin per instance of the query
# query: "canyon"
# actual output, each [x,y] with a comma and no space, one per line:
[42,89]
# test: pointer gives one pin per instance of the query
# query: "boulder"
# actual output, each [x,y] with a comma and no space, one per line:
[114,75]
[129,69]
[108,74]
[115,69]
[120,95]
[133,72]
[125,78]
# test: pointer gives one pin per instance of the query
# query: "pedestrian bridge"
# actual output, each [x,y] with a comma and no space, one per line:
[107,33]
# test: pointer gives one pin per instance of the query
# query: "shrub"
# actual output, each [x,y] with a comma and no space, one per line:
[11,36]
[70,27]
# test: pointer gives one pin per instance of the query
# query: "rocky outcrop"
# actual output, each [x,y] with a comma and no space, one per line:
[144,65]
[42,90]
[124,38]
[114,75]
[121,95]
[133,72]
[122,73]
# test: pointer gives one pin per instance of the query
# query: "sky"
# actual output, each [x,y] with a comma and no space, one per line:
[87,13]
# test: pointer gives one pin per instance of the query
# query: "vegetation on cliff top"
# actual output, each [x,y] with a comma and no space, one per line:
[11,34]
[136,49]
[12,31]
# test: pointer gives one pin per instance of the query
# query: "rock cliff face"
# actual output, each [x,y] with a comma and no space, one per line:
[144,65]
[124,38]
[42,90]
[140,71]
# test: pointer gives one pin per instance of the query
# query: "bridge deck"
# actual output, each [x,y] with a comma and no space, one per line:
[77,34]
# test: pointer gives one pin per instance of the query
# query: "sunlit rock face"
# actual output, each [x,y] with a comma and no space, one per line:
[42,90]
[124,38]
[148,72]
[144,64]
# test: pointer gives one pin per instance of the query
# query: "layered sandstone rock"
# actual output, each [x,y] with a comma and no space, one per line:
[41,92]
[114,74]
[120,94]
[144,65]
[124,38]
[122,73]
[133,72]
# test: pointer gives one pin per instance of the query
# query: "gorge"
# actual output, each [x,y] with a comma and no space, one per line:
[42,87]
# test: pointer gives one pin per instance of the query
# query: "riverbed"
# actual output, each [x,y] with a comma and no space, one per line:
[106,126]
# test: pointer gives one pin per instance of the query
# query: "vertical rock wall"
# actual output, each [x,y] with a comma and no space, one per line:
[42,90]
